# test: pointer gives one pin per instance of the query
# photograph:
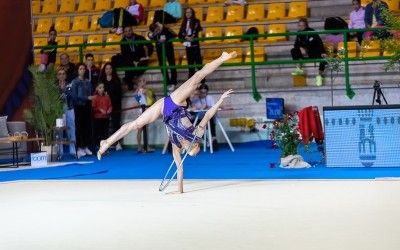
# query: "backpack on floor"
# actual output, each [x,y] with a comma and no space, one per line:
[106,20]
[335,23]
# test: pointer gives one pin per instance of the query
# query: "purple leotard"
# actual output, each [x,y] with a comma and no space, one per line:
[176,130]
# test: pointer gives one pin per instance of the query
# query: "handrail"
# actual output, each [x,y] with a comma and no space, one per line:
[252,39]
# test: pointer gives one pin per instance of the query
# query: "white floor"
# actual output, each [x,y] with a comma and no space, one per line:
[121,215]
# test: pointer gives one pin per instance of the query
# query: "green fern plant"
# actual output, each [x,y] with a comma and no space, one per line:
[46,104]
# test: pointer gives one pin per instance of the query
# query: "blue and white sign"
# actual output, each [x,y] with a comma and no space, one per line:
[39,159]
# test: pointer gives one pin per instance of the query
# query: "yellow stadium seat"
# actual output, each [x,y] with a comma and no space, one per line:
[259,55]
[365,2]
[210,55]
[80,23]
[261,30]
[297,10]
[62,24]
[194,2]
[215,14]
[213,1]
[233,31]
[67,6]
[74,59]
[50,7]
[61,40]
[389,46]
[85,6]
[73,40]
[120,4]
[157,3]
[102,5]
[234,13]
[39,41]
[371,49]
[94,22]
[106,58]
[255,12]
[153,60]
[43,25]
[94,39]
[351,48]
[238,58]
[150,17]
[393,4]
[276,11]
[35,7]
[328,48]
[112,38]
[276,28]
[199,13]
[37,61]
[213,32]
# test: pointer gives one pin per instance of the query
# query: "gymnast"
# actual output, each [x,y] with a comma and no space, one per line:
[173,108]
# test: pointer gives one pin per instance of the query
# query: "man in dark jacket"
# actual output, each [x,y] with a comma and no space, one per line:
[308,47]
[134,54]
[162,35]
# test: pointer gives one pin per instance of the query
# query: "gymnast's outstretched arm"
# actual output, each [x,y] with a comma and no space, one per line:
[180,95]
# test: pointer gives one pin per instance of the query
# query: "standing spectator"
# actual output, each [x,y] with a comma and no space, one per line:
[162,35]
[68,66]
[112,86]
[374,17]
[82,95]
[92,72]
[145,96]
[102,109]
[131,16]
[48,56]
[133,54]
[189,30]
[171,13]
[207,102]
[68,106]
[357,21]
[308,46]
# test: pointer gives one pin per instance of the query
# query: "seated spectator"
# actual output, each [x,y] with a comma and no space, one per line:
[92,72]
[310,47]
[357,21]
[162,35]
[335,39]
[374,18]
[102,109]
[131,16]
[48,56]
[133,55]
[68,66]
[171,14]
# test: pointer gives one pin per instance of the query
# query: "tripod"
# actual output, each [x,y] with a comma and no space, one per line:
[378,93]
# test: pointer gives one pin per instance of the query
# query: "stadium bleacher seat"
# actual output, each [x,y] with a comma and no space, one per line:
[61,40]
[103,5]
[37,61]
[214,1]
[94,23]
[39,41]
[50,7]
[199,13]
[297,10]
[276,11]
[393,5]
[67,6]
[328,48]
[351,48]
[74,59]
[195,2]
[371,49]
[85,6]
[120,4]
[365,2]
[238,58]
[62,24]
[234,13]
[153,60]
[150,17]
[94,38]
[184,59]
[36,7]
[113,38]
[106,58]
[157,3]
[80,23]
[390,45]
[72,40]
[213,32]
[255,12]
[259,55]
[43,25]
[233,31]
[215,14]
[210,55]
[276,28]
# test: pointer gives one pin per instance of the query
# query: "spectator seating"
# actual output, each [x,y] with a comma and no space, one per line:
[43,25]
[67,6]
[103,5]
[62,24]
[80,23]
[73,40]
[234,13]
[255,12]
[36,7]
[371,49]
[50,7]
[276,11]
[233,31]
[95,39]
[258,54]
[297,10]
[85,6]
[351,48]
[215,14]
[276,28]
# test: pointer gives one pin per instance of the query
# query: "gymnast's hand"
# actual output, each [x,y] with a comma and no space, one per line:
[229,56]
[226,94]
[103,147]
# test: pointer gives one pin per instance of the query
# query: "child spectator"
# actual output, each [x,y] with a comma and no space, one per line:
[131,16]
[102,109]
[92,72]
[48,56]
[357,21]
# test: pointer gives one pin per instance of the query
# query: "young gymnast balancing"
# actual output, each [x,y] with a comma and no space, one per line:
[173,108]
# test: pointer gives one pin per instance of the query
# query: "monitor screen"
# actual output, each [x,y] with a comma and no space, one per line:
[362,136]
[275,108]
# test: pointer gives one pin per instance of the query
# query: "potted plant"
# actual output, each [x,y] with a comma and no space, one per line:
[46,103]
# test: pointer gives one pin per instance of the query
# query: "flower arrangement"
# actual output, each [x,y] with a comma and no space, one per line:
[286,135]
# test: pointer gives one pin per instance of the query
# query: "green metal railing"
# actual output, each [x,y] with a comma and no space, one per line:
[252,39]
